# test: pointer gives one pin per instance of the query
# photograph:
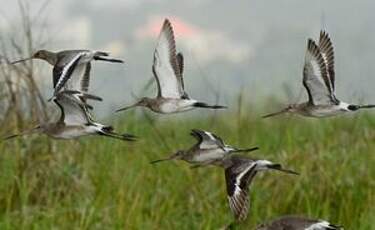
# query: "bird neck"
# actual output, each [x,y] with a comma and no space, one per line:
[50,57]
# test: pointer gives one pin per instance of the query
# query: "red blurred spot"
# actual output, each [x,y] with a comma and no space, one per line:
[154,24]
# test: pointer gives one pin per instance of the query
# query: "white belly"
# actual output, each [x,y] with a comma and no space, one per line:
[73,132]
[326,111]
[176,105]
[209,155]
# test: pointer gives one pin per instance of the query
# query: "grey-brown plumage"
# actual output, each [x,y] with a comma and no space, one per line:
[239,173]
[74,121]
[71,68]
[209,149]
[168,70]
[319,82]
[298,223]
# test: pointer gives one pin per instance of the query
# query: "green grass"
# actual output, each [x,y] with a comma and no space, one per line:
[99,183]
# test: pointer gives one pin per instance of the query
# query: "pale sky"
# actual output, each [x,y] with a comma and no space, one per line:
[257,46]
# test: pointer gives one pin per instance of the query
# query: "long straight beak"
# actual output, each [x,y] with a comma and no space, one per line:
[245,150]
[22,60]
[26,132]
[165,159]
[128,107]
[275,114]
[279,168]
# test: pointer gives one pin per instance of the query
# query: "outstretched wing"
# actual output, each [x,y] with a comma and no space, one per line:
[315,77]
[326,49]
[207,140]
[166,68]
[64,69]
[73,112]
[238,178]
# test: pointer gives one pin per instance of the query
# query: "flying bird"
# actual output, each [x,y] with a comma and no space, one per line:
[71,68]
[319,81]
[298,223]
[74,121]
[168,70]
[209,149]
[239,173]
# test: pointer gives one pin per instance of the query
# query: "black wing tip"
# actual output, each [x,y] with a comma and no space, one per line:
[311,45]
[325,41]
[180,54]
[167,23]
[324,35]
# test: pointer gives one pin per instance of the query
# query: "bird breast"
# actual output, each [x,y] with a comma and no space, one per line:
[208,155]
[324,111]
[175,105]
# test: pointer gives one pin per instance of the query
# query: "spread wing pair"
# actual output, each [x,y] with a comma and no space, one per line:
[168,66]
[318,71]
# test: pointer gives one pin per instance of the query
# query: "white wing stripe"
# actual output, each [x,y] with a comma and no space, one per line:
[66,69]
[239,177]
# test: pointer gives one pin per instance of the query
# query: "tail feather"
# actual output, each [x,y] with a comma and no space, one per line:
[108,132]
[205,105]
[245,150]
[99,58]
[101,53]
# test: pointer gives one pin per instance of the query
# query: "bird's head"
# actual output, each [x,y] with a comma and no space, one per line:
[46,55]
[144,101]
[40,54]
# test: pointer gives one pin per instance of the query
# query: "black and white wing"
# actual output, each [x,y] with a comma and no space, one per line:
[207,140]
[166,66]
[327,51]
[238,178]
[315,77]
[64,70]
[73,112]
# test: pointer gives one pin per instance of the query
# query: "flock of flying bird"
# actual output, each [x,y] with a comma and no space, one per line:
[71,77]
